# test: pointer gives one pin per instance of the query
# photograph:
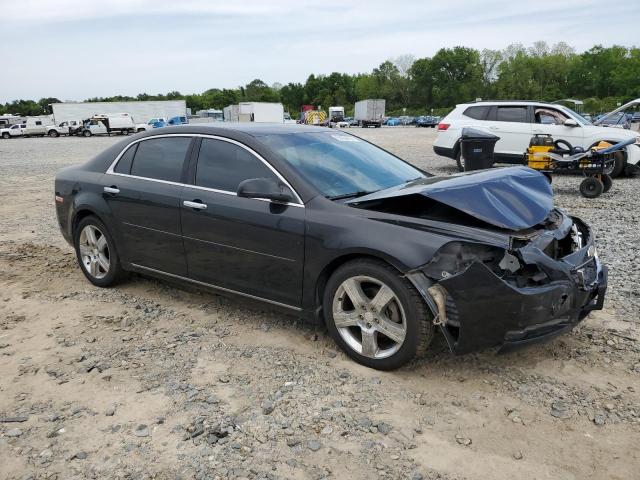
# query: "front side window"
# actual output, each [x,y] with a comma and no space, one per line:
[340,165]
[549,116]
[161,158]
[223,165]
[512,114]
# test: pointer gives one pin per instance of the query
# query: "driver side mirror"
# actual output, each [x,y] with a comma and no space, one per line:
[266,188]
[570,122]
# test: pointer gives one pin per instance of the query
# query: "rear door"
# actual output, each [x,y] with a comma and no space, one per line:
[247,245]
[143,191]
[512,124]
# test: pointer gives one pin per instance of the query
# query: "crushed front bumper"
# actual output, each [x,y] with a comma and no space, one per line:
[483,310]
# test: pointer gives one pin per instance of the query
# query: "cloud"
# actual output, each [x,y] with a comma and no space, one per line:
[75,50]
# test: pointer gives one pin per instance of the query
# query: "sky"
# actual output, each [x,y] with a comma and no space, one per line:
[74,50]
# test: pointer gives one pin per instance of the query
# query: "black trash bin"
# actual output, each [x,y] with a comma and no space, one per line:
[477,148]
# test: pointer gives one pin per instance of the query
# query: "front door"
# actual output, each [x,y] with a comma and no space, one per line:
[143,192]
[246,245]
[550,121]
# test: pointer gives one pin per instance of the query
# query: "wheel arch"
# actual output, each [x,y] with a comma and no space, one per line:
[81,213]
[337,262]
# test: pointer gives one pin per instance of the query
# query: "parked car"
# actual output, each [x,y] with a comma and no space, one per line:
[331,228]
[351,121]
[13,131]
[72,126]
[392,122]
[157,123]
[516,122]
[427,121]
[180,120]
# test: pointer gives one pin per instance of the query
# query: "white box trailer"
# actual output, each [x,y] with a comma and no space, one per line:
[261,112]
[369,112]
[140,112]
[231,113]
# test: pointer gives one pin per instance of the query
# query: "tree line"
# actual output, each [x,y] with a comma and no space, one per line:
[600,76]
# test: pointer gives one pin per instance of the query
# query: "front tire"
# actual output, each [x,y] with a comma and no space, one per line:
[53,134]
[619,164]
[5,135]
[86,133]
[96,253]
[375,315]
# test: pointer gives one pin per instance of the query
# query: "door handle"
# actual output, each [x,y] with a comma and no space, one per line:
[537,130]
[113,190]
[494,128]
[196,204]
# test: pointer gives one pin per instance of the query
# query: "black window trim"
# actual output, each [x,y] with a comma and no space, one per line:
[110,171]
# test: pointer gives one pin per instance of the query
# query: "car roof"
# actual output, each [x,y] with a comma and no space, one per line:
[511,102]
[253,129]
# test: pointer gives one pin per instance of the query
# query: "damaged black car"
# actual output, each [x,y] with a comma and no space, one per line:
[337,230]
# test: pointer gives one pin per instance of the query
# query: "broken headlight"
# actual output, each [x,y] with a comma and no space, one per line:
[456,257]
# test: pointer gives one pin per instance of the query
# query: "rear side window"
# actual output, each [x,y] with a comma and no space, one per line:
[512,114]
[223,165]
[124,164]
[479,112]
[161,158]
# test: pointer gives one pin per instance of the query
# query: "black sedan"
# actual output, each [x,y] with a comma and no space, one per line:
[336,230]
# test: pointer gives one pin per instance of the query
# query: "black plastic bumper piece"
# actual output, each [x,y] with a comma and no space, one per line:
[492,313]
[445,152]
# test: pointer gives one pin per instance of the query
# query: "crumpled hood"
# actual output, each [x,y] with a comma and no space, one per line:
[514,198]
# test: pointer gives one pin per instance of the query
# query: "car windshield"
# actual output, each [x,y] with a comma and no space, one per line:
[341,165]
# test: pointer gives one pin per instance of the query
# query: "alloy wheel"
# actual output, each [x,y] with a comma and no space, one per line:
[369,317]
[94,251]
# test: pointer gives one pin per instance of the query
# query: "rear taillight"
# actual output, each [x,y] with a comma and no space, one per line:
[443,126]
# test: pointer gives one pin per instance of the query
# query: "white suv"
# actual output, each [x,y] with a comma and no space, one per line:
[516,122]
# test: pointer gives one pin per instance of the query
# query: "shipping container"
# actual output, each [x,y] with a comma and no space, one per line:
[261,112]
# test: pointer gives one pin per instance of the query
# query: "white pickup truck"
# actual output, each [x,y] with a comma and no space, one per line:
[13,131]
[39,127]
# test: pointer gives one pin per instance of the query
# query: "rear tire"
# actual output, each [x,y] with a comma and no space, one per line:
[403,311]
[96,253]
[607,182]
[591,187]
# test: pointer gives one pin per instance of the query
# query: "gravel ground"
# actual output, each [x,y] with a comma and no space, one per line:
[149,380]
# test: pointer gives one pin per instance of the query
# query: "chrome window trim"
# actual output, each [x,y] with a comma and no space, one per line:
[215,287]
[110,170]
